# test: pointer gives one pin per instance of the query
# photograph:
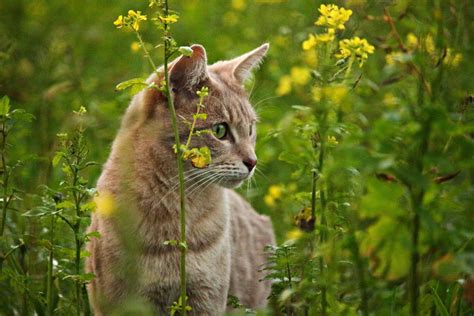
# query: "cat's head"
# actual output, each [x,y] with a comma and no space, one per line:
[229,115]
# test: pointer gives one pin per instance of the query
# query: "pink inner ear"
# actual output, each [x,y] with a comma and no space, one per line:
[188,72]
[247,62]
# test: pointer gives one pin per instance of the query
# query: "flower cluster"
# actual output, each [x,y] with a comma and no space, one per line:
[413,44]
[314,39]
[355,47]
[274,194]
[299,76]
[132,20]
[333,18]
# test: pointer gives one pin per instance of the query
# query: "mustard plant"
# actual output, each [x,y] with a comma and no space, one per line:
[16,273]
[74,206]
[320,126]
[200,157]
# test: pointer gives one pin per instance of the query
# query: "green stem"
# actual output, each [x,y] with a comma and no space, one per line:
[49,280]
[313,195]
[77,264]
[179,158]
[193,126]
[323,226]
[6,199]
[364,306]
[349,68]
[414,291]
[147,53]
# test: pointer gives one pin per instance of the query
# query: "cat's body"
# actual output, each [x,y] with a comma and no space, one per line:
[225,236]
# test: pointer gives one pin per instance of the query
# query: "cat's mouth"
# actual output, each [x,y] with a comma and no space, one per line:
[234,181]
[225,176]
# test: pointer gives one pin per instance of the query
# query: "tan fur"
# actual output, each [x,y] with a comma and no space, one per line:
[225,235]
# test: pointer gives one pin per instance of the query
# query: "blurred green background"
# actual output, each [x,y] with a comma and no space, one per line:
[56,56]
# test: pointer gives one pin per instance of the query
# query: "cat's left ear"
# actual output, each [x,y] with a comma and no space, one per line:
[243,65]
[188,71]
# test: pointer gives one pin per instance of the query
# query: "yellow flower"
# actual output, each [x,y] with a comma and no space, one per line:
[300,75]
[316,93]
[132,20]
[334,94]
[269,200]
[310,42]
[275,191]
[313,40]
[326,37]
[153,3]
[333,17]
[135,47]
[429,45]
[170,19]
[452,59]
[390,100]
[355,47]
[119,22]
[294,234]
[239,4]
[199,162]
[135,18]
[311,58]
[105,203]
[393,57]
[284,86]
[412,41]
[332,140]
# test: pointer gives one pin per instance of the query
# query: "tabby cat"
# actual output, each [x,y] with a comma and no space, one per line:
[225,236]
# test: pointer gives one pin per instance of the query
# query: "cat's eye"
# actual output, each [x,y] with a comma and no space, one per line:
[220,130]
[251,130]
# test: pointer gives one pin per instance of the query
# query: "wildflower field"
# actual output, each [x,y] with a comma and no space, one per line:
[365,145]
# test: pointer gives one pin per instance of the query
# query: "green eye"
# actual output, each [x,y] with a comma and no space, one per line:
[220,130]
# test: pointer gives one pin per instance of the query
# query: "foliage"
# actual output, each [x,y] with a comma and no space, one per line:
[364,140]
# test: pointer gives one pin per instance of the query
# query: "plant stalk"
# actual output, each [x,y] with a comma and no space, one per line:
[49,280]
[179,158]
[6,199]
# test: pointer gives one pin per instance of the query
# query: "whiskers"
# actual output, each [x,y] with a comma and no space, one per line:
[197,179]
[252,184]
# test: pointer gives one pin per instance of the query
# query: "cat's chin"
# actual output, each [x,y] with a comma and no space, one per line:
[231,184]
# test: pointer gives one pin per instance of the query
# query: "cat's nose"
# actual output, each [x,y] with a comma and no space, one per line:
[250,163]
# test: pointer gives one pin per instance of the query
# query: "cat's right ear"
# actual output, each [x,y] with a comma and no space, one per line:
[187,72]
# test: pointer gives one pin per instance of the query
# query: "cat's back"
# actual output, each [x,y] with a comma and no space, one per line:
[251,232]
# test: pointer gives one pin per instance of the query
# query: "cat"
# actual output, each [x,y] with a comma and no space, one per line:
[225,236]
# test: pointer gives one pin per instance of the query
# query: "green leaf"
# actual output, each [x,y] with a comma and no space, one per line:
[186,51]
[200,116]
[88,236]
[57,158]
[170,242]
[439,303]
[183,245]
[65,204]
[4,105]
[136,82]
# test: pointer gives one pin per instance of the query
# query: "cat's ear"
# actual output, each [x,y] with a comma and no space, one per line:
[187,72]
[243,65]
